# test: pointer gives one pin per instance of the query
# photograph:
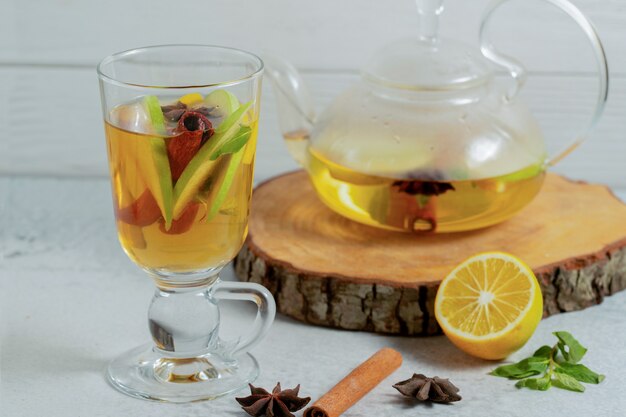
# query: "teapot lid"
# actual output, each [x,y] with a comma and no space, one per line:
[428,63]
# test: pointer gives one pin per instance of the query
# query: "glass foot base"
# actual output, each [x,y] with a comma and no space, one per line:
[146,373]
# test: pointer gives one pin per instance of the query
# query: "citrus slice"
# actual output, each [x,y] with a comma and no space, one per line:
[191,99]
[489,305]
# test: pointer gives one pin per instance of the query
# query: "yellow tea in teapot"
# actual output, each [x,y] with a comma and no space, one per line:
[428,138]
[427,203]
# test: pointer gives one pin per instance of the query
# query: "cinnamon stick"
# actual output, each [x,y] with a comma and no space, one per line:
[356,384]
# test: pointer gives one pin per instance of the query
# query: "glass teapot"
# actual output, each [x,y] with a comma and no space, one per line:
[427,140]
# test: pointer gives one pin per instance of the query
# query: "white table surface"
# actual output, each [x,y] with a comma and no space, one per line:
[71,301]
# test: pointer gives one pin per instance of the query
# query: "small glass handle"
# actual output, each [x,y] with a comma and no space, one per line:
[518,72]
[259,295]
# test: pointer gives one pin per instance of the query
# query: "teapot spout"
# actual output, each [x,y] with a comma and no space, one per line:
[295,107]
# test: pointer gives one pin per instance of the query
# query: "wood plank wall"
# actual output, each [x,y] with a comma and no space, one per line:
[50,122]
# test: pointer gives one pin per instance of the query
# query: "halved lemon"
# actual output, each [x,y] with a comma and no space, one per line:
[489,305]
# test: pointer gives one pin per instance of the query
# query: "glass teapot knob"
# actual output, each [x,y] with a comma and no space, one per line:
[429,11]
[518,72]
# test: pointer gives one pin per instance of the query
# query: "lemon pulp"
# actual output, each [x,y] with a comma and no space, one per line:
[489,305]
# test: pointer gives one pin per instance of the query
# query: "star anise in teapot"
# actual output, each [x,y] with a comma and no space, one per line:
[424,182]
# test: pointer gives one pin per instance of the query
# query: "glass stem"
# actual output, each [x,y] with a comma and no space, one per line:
[184,322]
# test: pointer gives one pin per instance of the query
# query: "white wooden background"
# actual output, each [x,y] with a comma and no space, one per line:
[50,121]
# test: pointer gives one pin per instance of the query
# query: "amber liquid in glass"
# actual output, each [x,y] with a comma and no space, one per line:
[207,233]
[418,204]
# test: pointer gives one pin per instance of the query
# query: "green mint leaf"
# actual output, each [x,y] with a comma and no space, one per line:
[565,373]
[563,351]
[571,349]
[522,369]
[233,118]
[544,351]
[540,384]
[579,372]
[567,382]
[233,144]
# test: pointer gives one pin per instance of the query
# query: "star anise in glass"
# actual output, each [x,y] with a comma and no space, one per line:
[278,403]
[435,389]
[173,112]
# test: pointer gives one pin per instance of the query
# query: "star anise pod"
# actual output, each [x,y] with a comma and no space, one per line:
[173,112]
[205,111]
[429,389]
[278,403]
[415,187]
[424,182]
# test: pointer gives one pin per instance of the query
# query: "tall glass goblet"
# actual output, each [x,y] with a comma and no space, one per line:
[181,130]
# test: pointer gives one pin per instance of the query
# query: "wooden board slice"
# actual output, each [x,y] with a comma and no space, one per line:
[327,270]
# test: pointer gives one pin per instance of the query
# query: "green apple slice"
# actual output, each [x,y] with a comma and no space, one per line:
[216,198]
[224,102]
[154,162]
[222,174]
[202,164]
[153,107]
[214,179]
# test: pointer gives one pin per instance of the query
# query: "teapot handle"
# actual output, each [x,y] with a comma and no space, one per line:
[518,72]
